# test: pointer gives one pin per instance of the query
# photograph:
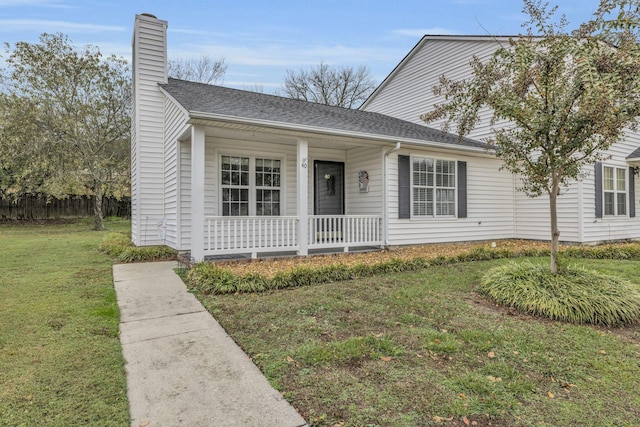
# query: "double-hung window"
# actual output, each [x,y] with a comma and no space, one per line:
[614,187]
[434,187]
[250,186]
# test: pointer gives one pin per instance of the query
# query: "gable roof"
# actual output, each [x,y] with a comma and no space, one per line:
[635,155]
[208,101]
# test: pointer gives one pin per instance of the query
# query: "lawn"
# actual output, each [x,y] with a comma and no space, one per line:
[423,348]
[60,356]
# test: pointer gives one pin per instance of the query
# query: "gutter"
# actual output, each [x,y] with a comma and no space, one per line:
[385,207]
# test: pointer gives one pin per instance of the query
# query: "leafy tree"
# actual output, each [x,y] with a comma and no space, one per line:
[567,95]
[341,86]
[204,69]
[65,120]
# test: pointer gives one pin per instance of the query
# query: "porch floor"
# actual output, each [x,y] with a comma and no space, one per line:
[185,258]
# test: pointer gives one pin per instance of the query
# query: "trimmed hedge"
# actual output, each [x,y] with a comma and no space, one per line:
[120,247]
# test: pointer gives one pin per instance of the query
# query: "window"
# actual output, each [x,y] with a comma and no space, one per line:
[434,187]
[250,186]
[614,185]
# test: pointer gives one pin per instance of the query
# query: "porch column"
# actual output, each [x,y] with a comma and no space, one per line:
[197,193]
[303,197]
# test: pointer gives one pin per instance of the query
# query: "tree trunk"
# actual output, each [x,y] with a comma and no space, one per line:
[97,208]
[555,232]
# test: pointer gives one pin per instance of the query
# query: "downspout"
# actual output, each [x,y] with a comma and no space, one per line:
[385,207]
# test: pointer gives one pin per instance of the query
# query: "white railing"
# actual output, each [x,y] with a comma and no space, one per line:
[327,231]
[250,234]
[255,234]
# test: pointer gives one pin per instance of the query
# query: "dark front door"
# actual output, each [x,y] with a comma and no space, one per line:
[329,188]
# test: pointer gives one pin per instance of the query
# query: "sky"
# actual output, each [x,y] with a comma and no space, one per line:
[261,39]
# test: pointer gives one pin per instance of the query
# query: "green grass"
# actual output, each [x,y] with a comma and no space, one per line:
[425,348]
[60,357]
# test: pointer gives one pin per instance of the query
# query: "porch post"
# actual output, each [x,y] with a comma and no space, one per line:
[303,197]
[197,193]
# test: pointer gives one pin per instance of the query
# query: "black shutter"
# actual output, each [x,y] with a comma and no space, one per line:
[462,189]
[632,194]
[598,179]
[404,187]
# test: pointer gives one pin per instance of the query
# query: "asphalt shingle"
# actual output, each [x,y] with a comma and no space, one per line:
[210,99]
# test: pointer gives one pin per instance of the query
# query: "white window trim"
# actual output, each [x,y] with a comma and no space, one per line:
[455,188]
[615,192]
[253,155]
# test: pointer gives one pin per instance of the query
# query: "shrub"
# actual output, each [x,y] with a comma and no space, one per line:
[574,295]
[120,247]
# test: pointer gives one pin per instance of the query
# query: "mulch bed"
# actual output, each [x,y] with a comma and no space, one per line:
[270,266]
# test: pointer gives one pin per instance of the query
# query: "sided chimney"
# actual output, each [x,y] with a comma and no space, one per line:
[149,68]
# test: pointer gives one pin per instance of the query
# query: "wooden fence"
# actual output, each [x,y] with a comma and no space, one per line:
[41,207]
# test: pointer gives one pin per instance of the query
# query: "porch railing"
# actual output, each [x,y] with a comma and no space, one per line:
[253,234]
[327,231]
[250,234]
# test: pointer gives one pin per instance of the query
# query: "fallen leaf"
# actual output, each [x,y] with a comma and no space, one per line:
[551,395]
[144,424]
[419,355]
[465,420]
[602,352]
[553,380]
[516,352]
[385,358]
[491,355]
[290,359]
[462,395]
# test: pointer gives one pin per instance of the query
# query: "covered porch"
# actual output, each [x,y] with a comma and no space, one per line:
[261,193]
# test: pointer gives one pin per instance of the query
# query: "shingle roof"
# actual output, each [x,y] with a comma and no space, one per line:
[635,154]
[218,100]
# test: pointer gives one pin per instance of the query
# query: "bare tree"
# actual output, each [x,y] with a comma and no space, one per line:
[341,86]
[204,69]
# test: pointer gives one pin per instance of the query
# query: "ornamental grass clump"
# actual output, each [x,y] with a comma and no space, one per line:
[120,247]
[574,294]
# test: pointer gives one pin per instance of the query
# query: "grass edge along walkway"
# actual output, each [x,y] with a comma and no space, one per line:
[59,348]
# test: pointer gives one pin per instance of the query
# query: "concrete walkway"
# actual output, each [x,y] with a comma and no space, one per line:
[182,368]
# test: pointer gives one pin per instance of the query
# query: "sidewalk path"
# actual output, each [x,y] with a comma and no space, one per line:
[182,368]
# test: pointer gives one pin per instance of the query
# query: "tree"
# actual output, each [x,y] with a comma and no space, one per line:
[567,95]
[341,86]
[66,119]
[204,70]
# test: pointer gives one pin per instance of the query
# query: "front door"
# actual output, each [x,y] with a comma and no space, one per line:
[328,201]
[329,188]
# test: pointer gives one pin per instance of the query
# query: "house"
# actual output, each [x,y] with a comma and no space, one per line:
[596,209]
[220,171]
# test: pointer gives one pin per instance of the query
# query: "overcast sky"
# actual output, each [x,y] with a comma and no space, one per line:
[261,39]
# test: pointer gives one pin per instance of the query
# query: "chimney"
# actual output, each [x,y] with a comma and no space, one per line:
[149,68]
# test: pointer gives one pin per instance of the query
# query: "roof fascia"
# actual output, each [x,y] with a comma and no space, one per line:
[197,115]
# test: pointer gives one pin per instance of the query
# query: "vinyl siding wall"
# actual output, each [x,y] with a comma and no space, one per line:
[410,92]
[490,204]
[612,227]
[175,125]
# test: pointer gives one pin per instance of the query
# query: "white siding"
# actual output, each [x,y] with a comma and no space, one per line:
[490,205]
[174,126]
[409,93]
[367,159]
[533,215]
[149,69]
[608,227]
